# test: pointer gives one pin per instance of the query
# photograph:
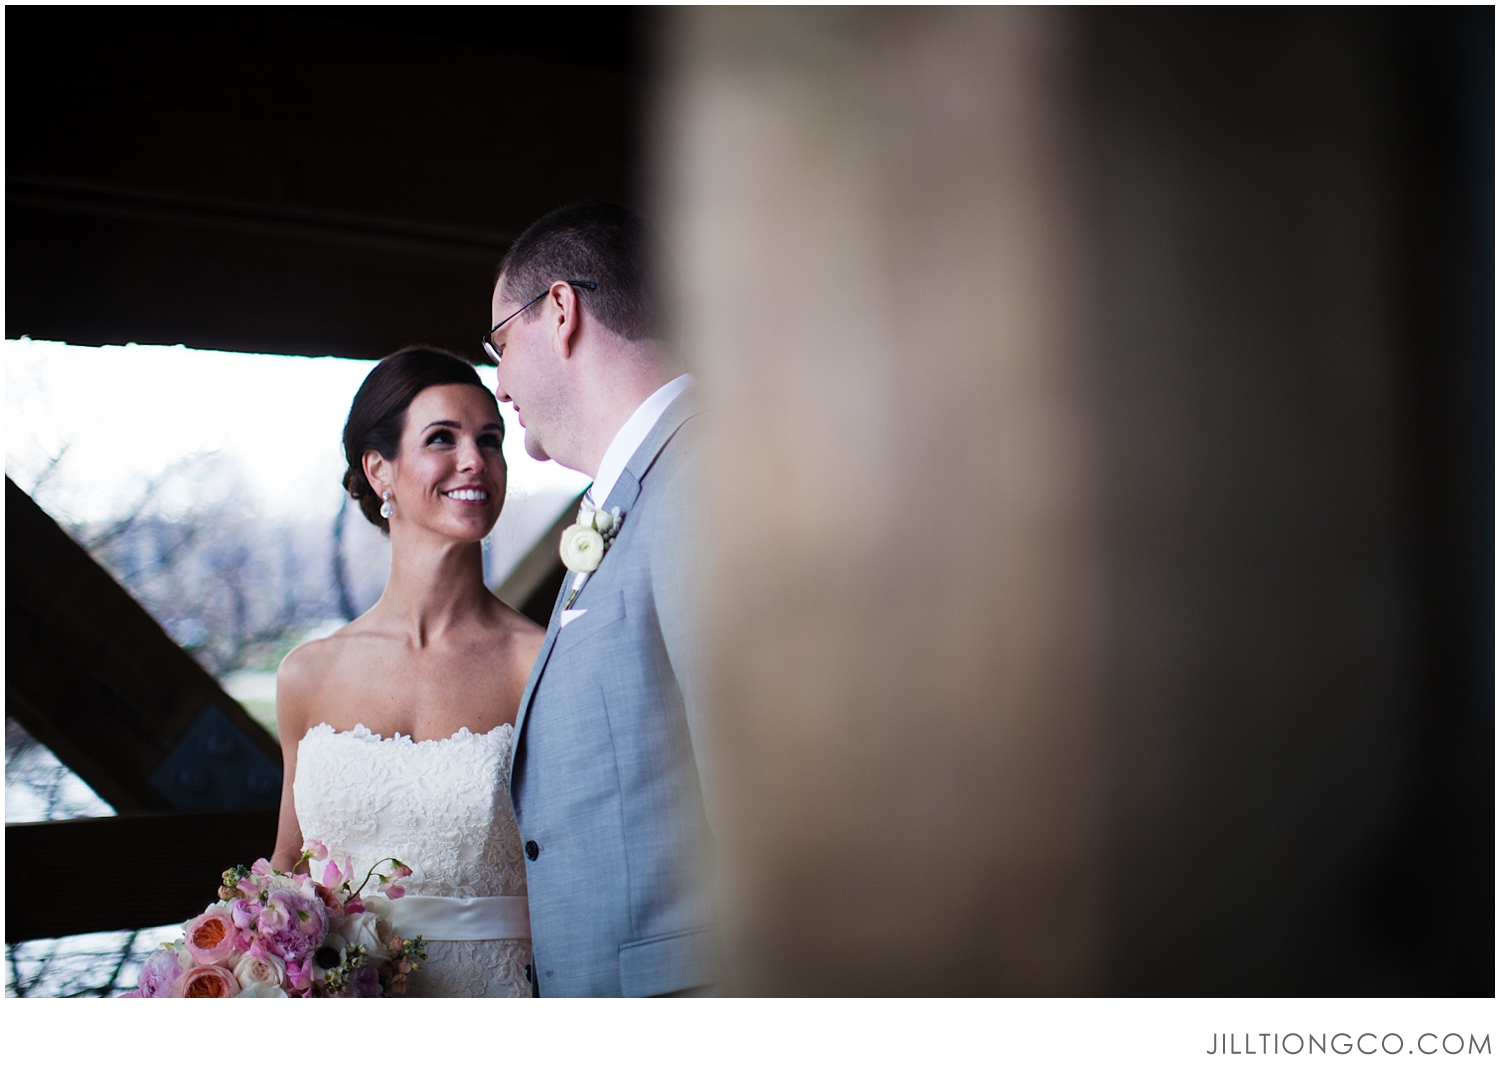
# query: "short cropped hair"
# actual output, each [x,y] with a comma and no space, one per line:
[594,241]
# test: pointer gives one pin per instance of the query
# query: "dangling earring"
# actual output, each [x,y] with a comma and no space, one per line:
[386,510]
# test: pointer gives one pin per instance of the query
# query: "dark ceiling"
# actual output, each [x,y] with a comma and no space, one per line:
[299,180]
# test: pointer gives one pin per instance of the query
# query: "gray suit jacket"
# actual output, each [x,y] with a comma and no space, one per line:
[606,781]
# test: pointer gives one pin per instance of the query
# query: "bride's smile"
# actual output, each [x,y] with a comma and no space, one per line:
[468,495]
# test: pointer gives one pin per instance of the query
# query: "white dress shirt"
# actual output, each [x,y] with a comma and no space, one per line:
[631,435]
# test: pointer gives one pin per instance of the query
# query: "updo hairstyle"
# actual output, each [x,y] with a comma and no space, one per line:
[377,418]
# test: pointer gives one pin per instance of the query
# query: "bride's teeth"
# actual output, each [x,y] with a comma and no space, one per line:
[470,495]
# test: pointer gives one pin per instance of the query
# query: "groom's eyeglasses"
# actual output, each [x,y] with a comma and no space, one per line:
[488,342]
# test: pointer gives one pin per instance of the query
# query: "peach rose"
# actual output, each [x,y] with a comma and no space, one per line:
[206,981]
[210,936]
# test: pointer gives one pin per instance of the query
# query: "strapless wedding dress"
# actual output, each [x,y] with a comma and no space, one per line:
[442,807]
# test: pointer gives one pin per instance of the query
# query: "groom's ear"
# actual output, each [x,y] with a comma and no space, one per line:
[377,470]
[565,311]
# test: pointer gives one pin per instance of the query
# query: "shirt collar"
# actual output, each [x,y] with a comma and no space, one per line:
[631,435]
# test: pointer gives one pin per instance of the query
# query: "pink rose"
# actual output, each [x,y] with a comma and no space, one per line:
[158,975]
[206,981]
[211,936]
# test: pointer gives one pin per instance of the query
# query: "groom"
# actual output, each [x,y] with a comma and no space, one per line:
[606,775]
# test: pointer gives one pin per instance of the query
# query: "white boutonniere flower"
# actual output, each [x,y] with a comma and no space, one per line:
[585,542]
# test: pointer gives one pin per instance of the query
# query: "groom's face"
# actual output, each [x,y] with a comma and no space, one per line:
[523,377]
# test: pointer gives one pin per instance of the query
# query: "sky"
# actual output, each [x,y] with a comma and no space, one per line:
[126,413]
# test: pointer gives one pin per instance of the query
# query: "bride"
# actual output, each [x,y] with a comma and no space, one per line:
[397,730]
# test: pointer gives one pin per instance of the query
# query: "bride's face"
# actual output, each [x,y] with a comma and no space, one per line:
[450,475]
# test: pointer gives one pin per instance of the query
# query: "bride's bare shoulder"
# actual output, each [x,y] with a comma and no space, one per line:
[312,662]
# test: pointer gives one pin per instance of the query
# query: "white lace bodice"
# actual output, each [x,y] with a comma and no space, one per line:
[442,807]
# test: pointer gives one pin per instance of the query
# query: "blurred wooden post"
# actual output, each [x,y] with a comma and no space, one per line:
[870,215]
[1098,556]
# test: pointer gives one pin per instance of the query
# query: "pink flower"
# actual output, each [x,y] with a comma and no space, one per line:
[335,877]
[315,850]
[299,974]
[245,886]
[388,883]
[332,907]
[158,975]
[206,981]
[292,925]
[244,913]
[211,935]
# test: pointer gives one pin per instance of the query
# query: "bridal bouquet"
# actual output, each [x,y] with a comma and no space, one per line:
[281,935]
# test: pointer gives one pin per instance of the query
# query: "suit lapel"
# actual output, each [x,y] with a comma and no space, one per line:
[628,486]
[623,495]
[554,625]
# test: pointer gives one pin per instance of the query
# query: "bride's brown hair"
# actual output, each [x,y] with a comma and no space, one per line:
[377,417]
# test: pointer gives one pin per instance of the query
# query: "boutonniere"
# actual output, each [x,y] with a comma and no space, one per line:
[585,542]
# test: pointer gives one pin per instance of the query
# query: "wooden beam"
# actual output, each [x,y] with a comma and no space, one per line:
[174,193]
[92,676]
[422,238]
[186,853]
[532,586]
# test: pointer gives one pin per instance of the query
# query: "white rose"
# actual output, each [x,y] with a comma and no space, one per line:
[378,904]
[260,970]
[582,549]
[259,990]
[363,929]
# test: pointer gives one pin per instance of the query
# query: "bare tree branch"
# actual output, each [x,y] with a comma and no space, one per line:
[154,486]
[53,461]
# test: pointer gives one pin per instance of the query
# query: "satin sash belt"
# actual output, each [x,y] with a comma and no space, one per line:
[504,917]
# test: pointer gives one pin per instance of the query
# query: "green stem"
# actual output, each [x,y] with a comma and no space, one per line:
[368,874]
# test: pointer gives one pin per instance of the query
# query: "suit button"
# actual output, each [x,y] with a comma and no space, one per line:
[533,851]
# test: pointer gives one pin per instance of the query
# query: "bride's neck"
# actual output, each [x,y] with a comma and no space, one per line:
[433,586]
